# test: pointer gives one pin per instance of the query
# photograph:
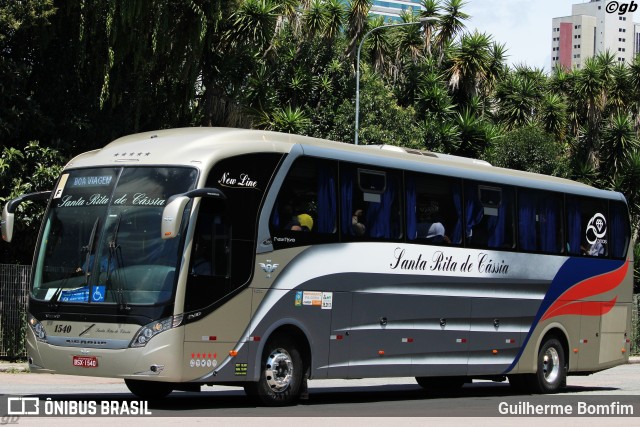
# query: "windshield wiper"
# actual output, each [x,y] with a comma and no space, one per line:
[87,262]
[114,251]
[53,302]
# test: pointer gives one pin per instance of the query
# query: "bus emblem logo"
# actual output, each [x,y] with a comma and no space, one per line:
[268,267]
[596,229]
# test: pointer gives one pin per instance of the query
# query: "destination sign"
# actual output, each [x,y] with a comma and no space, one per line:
[91,181]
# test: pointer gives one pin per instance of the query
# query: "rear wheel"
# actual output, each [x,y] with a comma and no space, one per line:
[149,390]
[281,374]
[551,374]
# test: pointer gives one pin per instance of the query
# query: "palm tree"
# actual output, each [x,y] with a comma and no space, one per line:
[468,65]
[430,9]
[255,22]
[315,19]
[450,24]
[289,120]
[517,98]
[433,99]
[618,141]
[553,115]
[356,24]
[619,95]
[379,44]
[335,13]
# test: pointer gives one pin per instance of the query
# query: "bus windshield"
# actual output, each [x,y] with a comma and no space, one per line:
[101,239]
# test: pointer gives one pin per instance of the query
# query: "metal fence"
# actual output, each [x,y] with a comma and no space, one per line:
[14,295]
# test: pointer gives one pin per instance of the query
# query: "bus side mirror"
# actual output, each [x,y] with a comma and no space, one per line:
[172,216]
[10,207]
[7,224]
[174,210]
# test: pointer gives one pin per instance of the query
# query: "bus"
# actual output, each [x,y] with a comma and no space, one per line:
[188,257]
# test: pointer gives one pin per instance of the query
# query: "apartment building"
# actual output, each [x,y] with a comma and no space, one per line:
[592,28]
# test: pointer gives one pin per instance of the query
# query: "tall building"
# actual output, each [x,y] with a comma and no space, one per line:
[592,28]
[391,9]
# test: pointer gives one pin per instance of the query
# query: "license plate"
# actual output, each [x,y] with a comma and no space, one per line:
[85,361]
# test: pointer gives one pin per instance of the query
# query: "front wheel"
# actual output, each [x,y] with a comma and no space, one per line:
[281,374]
[552,368]
[149,390]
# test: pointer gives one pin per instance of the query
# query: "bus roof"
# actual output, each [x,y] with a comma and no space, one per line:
[201,147]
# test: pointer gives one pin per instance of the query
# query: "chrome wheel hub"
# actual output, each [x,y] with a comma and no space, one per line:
[279,370]
[551,365]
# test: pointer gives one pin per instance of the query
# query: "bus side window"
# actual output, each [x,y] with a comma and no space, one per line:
[306,206]
[489,217]
[587,227]
[540,224]
[434,209]
[371,203]
[619,233]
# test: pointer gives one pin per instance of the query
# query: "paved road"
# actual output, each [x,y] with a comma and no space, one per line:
[400,397]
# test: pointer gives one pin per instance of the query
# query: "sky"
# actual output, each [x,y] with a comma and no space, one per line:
[524,26]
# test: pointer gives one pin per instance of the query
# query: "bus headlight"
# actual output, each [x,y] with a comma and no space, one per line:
[38,329]
[154,328]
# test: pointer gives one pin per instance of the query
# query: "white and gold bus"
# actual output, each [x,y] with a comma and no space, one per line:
[186,257]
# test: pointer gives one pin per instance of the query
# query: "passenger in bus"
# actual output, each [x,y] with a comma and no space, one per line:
[357,224]
[433,232]
[596,249]
[302,222]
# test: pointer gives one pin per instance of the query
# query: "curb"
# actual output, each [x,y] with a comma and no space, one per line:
[8,367]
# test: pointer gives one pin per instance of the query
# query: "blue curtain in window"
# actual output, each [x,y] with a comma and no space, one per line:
[379,214]
[411,208]
[456,236]
[326,200]
[618,234]
[527,221]
[496,224]
[473,208]
[346,198]
[573,226]
[549,227]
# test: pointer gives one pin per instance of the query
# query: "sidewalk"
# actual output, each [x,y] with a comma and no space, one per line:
[18,367]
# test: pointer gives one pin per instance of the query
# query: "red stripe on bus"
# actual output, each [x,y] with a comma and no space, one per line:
[567,303]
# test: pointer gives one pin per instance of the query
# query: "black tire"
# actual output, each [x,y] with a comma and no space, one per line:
[281,374]
[551,372]
[149,390]
[441,385]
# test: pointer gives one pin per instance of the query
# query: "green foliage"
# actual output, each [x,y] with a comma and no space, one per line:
[529,149]
[35,168]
